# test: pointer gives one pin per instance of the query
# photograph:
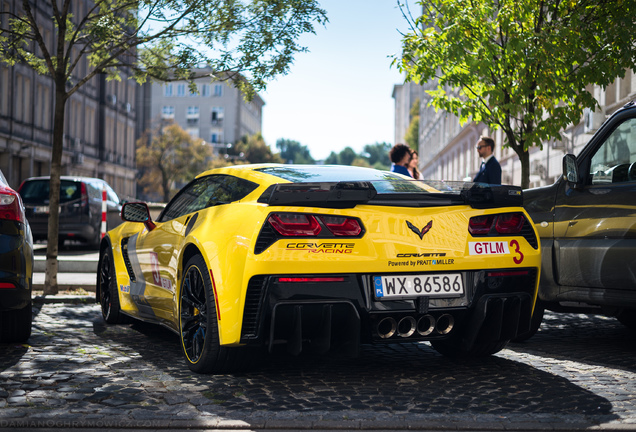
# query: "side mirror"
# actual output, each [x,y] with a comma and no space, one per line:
[137,212]
[570,170]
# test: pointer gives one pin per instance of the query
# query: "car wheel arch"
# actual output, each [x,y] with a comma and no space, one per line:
[189,251]
[104,245]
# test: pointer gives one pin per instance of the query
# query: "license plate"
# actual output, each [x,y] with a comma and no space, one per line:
[41,209]
[410,286]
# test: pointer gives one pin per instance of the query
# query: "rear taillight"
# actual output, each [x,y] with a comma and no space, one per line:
[84,201]
[10,206]
[510,223]
[342,226]
[294,224]
[310,279]
[480,225]
[307,225]
[506,223]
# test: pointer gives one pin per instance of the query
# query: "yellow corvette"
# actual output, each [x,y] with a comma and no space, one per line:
[320,258]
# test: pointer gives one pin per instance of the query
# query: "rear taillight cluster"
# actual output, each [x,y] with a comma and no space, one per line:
[10,206]
[502,224]
[84,201]
[308,225]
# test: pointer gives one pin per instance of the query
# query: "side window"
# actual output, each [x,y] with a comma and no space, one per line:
[112,195]
[206,192]
[611,162]
[93,192]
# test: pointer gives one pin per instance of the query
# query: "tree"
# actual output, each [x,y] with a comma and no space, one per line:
[255,150]
[294,152]
[248,42]
[347,156]
[168,156]
[332,159]
[522,66]
[378,155]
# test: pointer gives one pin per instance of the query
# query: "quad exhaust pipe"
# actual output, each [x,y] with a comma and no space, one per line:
[408,326]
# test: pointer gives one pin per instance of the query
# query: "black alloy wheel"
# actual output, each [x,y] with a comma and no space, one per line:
[193,315]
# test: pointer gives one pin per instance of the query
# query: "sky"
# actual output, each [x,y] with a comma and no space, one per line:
[339,93]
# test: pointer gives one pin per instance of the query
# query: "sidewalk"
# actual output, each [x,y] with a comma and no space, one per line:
[77,270]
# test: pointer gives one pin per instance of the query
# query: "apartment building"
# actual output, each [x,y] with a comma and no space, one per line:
[217,112]
[100,120]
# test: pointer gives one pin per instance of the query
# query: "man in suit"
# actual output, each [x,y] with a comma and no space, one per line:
[490,171]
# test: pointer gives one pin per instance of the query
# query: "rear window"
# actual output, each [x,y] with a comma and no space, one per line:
[37,191]
[328,173]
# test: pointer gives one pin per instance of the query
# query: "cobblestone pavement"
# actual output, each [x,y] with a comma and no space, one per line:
[578,372]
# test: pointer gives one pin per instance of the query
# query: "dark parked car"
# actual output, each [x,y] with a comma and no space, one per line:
[80,208]
[16,267]
[587,224]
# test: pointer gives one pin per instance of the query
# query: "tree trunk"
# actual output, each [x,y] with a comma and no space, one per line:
[50,279]
[524,157]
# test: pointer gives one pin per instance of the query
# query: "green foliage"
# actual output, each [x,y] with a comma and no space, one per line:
[373,155]
[294,152]
[522,66]
[332,159]
[255,150]
[347,156]
[164,39]
[412,135]
[415,109]
[378,155]
[169,157]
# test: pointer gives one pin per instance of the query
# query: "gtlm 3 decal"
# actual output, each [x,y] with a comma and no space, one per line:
[419,232]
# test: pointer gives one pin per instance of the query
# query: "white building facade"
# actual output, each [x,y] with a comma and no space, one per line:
[217,113]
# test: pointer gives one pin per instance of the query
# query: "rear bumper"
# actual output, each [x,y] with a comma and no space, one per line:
[68,229]
[497,305]
[16,267]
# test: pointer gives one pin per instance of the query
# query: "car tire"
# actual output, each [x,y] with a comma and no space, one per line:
[456,348]
[198,323]
[627,317]
[108,292]
[15,325]
[535,322]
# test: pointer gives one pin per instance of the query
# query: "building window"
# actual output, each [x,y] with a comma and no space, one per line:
[167,90]
[205,90]
[167,112]
[216,116]
[181,90]
[218,90]
[192,115]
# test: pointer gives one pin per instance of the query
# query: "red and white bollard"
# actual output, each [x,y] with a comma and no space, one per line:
[103,211]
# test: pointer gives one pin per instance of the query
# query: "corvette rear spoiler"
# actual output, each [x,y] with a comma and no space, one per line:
[407,193]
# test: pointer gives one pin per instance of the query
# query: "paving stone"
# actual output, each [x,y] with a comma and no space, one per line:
[76,367]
